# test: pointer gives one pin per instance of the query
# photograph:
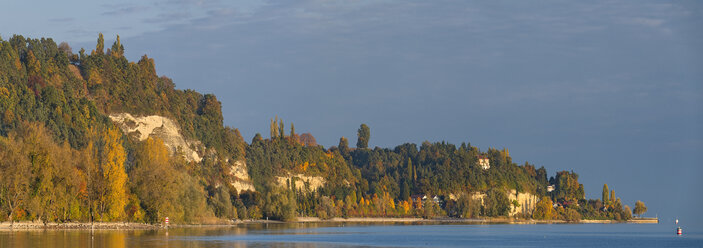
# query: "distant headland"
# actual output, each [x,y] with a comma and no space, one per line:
[90,137]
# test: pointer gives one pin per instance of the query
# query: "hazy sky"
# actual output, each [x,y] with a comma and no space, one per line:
[611,90]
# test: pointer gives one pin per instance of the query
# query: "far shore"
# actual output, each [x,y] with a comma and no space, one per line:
[29,225]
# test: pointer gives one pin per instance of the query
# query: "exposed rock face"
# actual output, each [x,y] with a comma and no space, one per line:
[240,179]
[161,127]
[302,182]
[527,201]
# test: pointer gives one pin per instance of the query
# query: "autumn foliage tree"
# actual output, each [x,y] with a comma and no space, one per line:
[15,171]
[152,179]
[544,209]
[640,208]
[111,154]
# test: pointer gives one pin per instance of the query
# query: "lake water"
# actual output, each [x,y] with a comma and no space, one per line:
[366,235]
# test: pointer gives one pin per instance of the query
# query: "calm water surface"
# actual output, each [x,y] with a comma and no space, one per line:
[366,235]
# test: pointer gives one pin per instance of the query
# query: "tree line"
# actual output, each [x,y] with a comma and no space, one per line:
[62,159]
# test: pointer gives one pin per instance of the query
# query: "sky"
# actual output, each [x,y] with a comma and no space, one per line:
[612,90]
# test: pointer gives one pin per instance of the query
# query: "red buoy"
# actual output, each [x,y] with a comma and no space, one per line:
[678,231]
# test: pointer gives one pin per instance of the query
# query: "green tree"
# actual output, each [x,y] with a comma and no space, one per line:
[496,203]
[468,207]
[364,134]
[409,170]
[274,128]
[640,208]
[222,204]
[344,147]
[405,190]
[292,130]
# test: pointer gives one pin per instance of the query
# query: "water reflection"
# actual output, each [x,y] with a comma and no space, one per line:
[294,235]
[192,237]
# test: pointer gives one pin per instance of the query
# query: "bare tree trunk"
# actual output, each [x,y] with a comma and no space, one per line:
[12,211]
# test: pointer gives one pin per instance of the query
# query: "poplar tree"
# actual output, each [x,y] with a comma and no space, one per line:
[343,145]
[364,134]
[274,128]
[409,169]
[281,129]
[112,159]
[604,195]
[117,48]
[101,45]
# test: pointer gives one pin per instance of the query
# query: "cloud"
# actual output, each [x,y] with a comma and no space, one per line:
[168,17]
[118,10]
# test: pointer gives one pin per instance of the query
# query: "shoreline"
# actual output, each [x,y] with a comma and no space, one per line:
[27,225]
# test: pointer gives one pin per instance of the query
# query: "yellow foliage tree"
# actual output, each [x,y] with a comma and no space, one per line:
[544,209]
[112,161]
[94,77]
[406,207]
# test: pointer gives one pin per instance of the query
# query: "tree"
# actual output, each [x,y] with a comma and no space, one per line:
[280,205]
[117,48]
[222,204]
[571,215]
[15,172]
[364,134]
[307,139]
[39,148]
[292,130]
[33,65]
[604,196]
[568,187]
[65,48]
[627,212]
[496,203]
[112,159]
[640,208]
[405,190]
[100,47]
[274,128]
[343,146]
[153,179]
[409,170]
[468,207]
[544,209]
[326,208]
